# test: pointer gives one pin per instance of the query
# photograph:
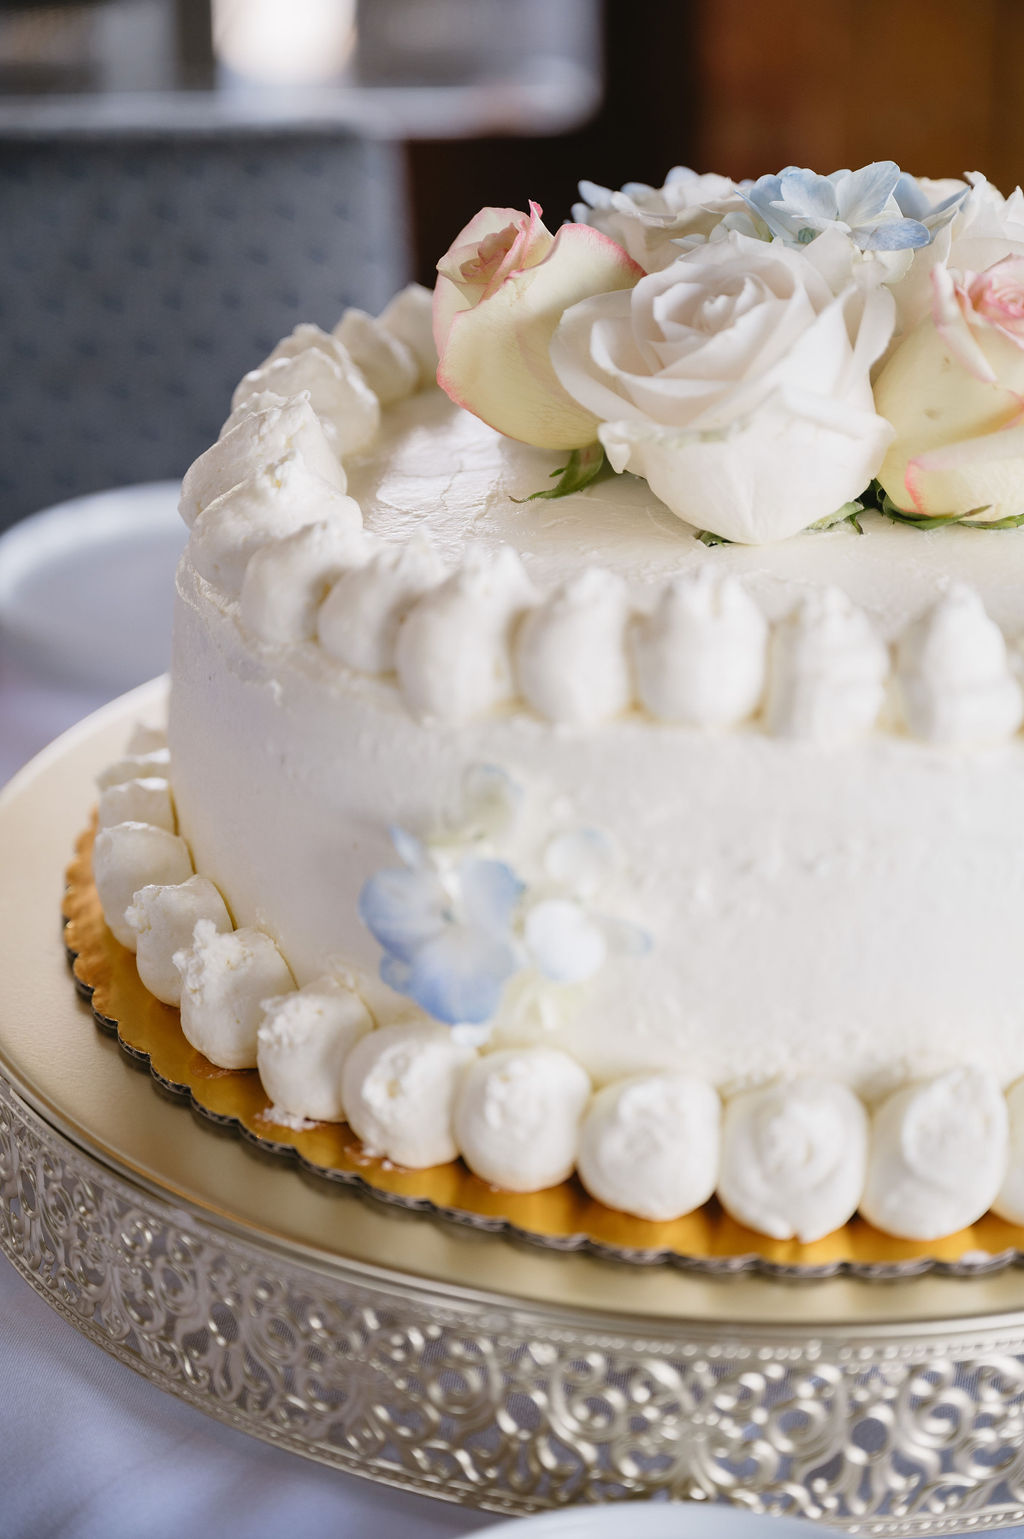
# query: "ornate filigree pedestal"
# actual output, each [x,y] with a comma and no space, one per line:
[437,1358]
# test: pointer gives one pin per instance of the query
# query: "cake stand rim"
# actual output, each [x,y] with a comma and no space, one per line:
[745,1307]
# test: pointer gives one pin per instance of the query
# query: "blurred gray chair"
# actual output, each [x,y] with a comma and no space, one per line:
[139,279]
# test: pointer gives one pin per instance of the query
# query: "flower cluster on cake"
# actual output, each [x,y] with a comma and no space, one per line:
[760,352]
[539,832]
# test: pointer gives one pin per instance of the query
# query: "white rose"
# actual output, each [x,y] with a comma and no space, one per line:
[645,221]
[737,384]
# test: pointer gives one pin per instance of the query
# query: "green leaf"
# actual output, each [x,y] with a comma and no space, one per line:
[880,499]
[584,467]
[707,538]
[849,513]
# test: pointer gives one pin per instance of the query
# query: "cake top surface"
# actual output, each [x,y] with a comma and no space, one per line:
[438,469]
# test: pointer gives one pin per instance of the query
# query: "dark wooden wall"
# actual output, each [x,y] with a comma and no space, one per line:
[748,86]
[646,125]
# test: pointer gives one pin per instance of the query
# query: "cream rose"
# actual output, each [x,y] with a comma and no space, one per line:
[954,392]
[501,291]
[736,383]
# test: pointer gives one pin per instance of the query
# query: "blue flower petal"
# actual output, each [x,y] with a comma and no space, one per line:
[911,198]
[395,974]
[894,235]
[410,849]
[862,195]
[490,892]
[403,910]
[806,193]
[459,977]
[913,203]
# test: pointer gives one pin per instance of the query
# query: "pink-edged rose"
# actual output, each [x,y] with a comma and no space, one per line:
[954,392]
[501,290]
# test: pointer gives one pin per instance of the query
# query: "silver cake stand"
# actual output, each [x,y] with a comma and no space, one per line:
[433,1357]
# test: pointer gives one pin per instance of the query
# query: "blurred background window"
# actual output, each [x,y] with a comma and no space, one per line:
[182,182]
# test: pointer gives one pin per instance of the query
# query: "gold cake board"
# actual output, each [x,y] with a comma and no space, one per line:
[431,1355]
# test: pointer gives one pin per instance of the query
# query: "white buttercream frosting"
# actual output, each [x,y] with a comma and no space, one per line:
[146,737]
[939,1153]
[276,501]
[827,671]
[287,580]
[517,1117]
[311,360]
[129,856]
[225,976]
[147,800]
[699,656]
[793,1158]
[570,651]
[453,651]
[262,400]
[302,1043]
[398,1088]
[164,918]
[258,439]
[358,622]
[410,318]
[954,675]
[650,1145]
[390,368]
[1009,1201]
[153,764]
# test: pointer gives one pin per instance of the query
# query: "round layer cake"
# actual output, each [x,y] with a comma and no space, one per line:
[507,814]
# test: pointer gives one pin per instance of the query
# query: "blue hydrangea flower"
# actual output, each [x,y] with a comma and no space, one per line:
[915,203]
[797,205]
[447,936]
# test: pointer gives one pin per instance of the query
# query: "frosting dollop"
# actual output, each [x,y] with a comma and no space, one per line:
[570,651]
[954,675]
[164,918]
[258,439]
[793,1158]
[410,318]
[276,501]
[390,368]
[453,651]
[700,655]
[153,763]
[146,737]
[827,671]
[129,856]
[938,1155]
[358,621]
[302,1043]
[146,800]
[311,360]
[287,580]
[650,1145]
[517,1117]
[225,977]
[398,1088]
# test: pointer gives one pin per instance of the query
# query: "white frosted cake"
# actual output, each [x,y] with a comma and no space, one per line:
[668,828]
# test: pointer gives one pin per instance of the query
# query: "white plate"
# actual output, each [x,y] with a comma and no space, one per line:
[656,1520]
[86,587]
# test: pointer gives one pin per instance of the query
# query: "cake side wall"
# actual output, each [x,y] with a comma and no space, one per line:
[810,910]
